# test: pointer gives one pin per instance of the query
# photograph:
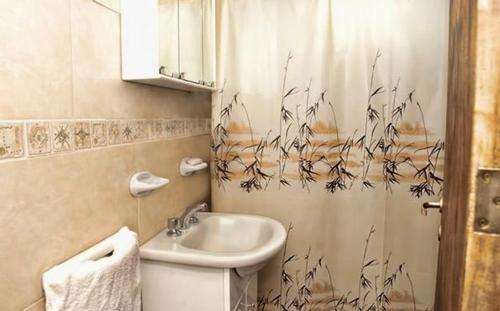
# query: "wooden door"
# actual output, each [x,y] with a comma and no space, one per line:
[469,261]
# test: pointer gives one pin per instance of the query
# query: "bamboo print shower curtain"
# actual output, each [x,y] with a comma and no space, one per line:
[331,120]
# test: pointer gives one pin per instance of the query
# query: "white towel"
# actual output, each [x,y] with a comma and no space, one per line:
[108,284]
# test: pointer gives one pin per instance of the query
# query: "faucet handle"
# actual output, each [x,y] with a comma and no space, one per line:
[201,207]
[173,227]
[193,220]
[173,222]
[204,206]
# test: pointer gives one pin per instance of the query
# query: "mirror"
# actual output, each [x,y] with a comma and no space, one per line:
[186,39]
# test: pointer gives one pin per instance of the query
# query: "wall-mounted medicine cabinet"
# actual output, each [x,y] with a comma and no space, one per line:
[169,43]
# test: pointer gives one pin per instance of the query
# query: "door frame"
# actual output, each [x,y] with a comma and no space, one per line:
[457,170]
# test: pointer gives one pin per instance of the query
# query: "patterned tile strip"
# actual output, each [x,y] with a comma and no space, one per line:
[35,138]
[11,140]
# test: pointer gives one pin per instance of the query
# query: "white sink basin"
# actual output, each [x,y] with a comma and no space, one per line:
[220,240]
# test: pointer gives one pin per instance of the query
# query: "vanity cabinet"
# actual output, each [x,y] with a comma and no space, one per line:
[168,286]
[169,43]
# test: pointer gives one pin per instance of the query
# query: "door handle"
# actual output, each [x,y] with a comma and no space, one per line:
[430,205]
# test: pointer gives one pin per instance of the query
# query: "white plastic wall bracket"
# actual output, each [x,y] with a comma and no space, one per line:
[143,183]
[190,165]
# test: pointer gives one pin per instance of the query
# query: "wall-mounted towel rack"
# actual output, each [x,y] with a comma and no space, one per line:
[98,251]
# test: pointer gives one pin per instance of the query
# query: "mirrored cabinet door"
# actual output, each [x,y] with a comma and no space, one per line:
[191,39]
[208,42]
[186,39]
[168,36]
[169,43]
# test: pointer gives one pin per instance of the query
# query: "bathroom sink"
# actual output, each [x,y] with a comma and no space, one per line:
[220,240]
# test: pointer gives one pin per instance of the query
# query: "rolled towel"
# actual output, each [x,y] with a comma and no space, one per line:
[109,283]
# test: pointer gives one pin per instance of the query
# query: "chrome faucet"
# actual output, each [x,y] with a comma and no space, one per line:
[173,227]
[189,218]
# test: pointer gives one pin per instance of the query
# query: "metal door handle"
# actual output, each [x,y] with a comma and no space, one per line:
[438,205]
[429,205]
[432,205]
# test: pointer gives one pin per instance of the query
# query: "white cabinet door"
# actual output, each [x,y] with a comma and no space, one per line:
[172,287]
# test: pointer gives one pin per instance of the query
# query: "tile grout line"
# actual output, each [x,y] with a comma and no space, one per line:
[34,304]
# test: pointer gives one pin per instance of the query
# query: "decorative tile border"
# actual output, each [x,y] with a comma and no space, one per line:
[38,138]
[11,140]
[33,138]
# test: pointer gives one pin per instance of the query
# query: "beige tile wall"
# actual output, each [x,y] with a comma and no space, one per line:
[60,59]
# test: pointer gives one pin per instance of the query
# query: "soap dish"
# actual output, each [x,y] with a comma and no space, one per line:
[142,183]
[189,166]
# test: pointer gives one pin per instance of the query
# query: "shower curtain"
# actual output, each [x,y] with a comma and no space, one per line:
[331,119]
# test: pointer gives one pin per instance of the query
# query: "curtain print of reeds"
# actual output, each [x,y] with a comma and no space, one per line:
[225,151]
[299,291]
[375,154]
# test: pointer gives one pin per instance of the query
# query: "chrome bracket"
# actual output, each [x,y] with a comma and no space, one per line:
[487,210]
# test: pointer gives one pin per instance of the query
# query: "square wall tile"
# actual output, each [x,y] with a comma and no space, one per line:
[35,59]
[140,130]
[99,133]
[127,131]
[62,136]
[164,133]
[189,127]
[156,129]
[38,138]
[169,128]
[149,128]
[11,140]
[179,128]
[114,132]
[82,135]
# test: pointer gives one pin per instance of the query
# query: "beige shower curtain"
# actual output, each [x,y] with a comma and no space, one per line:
[331,120]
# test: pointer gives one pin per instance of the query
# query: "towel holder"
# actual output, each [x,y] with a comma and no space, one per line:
[96,252]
